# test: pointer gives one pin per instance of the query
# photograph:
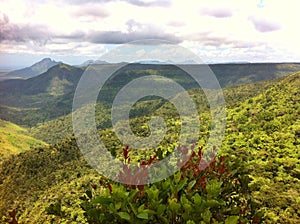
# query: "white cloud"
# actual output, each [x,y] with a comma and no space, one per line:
[218,31]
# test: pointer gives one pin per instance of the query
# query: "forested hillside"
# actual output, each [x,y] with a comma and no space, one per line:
[49,95]
[264,131]
[262,135]
[60,128]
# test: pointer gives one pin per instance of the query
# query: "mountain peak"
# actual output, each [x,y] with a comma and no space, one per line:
[34,70]
[46,60]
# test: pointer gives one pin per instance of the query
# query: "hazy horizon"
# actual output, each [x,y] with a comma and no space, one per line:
[79,61]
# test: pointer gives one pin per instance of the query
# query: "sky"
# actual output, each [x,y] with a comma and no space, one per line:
[218,31]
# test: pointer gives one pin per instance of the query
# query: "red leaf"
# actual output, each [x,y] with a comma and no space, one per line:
[110,188]
[256,219]
[222,158]
[141,187]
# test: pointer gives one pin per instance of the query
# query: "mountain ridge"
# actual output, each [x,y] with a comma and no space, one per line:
[33,70]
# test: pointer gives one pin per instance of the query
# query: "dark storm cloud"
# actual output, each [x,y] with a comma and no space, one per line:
[263,25]
[162,3]
[21,33]
[217,12]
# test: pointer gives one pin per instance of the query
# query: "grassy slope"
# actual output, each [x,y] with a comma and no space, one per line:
[14,139]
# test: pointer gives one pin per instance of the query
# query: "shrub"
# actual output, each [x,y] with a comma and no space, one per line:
[216,192]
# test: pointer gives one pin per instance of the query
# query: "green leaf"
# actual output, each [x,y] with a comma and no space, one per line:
[166,184]
[141,208]
[187,207]
[206,216]
[149,211]
[190,222]
[181,184]
[213,188]
[191,184]
[197,199]
[118,205]
[132,194]
[133,208]
[161,208]
[212,203]
[164,219]
[177,177]
[232,220]
[112,208]
[124,215]
[102,200]
[174,205]
[142,215]
[153,194]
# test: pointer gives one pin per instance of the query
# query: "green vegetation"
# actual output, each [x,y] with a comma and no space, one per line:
[15,139]
[40,177]
[217,193]
[38,99]
[264,131]
[61,127]
[49,95]
[54,184]
[251,73]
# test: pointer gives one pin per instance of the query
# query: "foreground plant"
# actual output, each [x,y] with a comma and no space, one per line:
[201,192]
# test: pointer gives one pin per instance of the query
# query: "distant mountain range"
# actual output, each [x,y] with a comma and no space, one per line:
[230,68]
[50,94]
[91,62]
[34,70]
